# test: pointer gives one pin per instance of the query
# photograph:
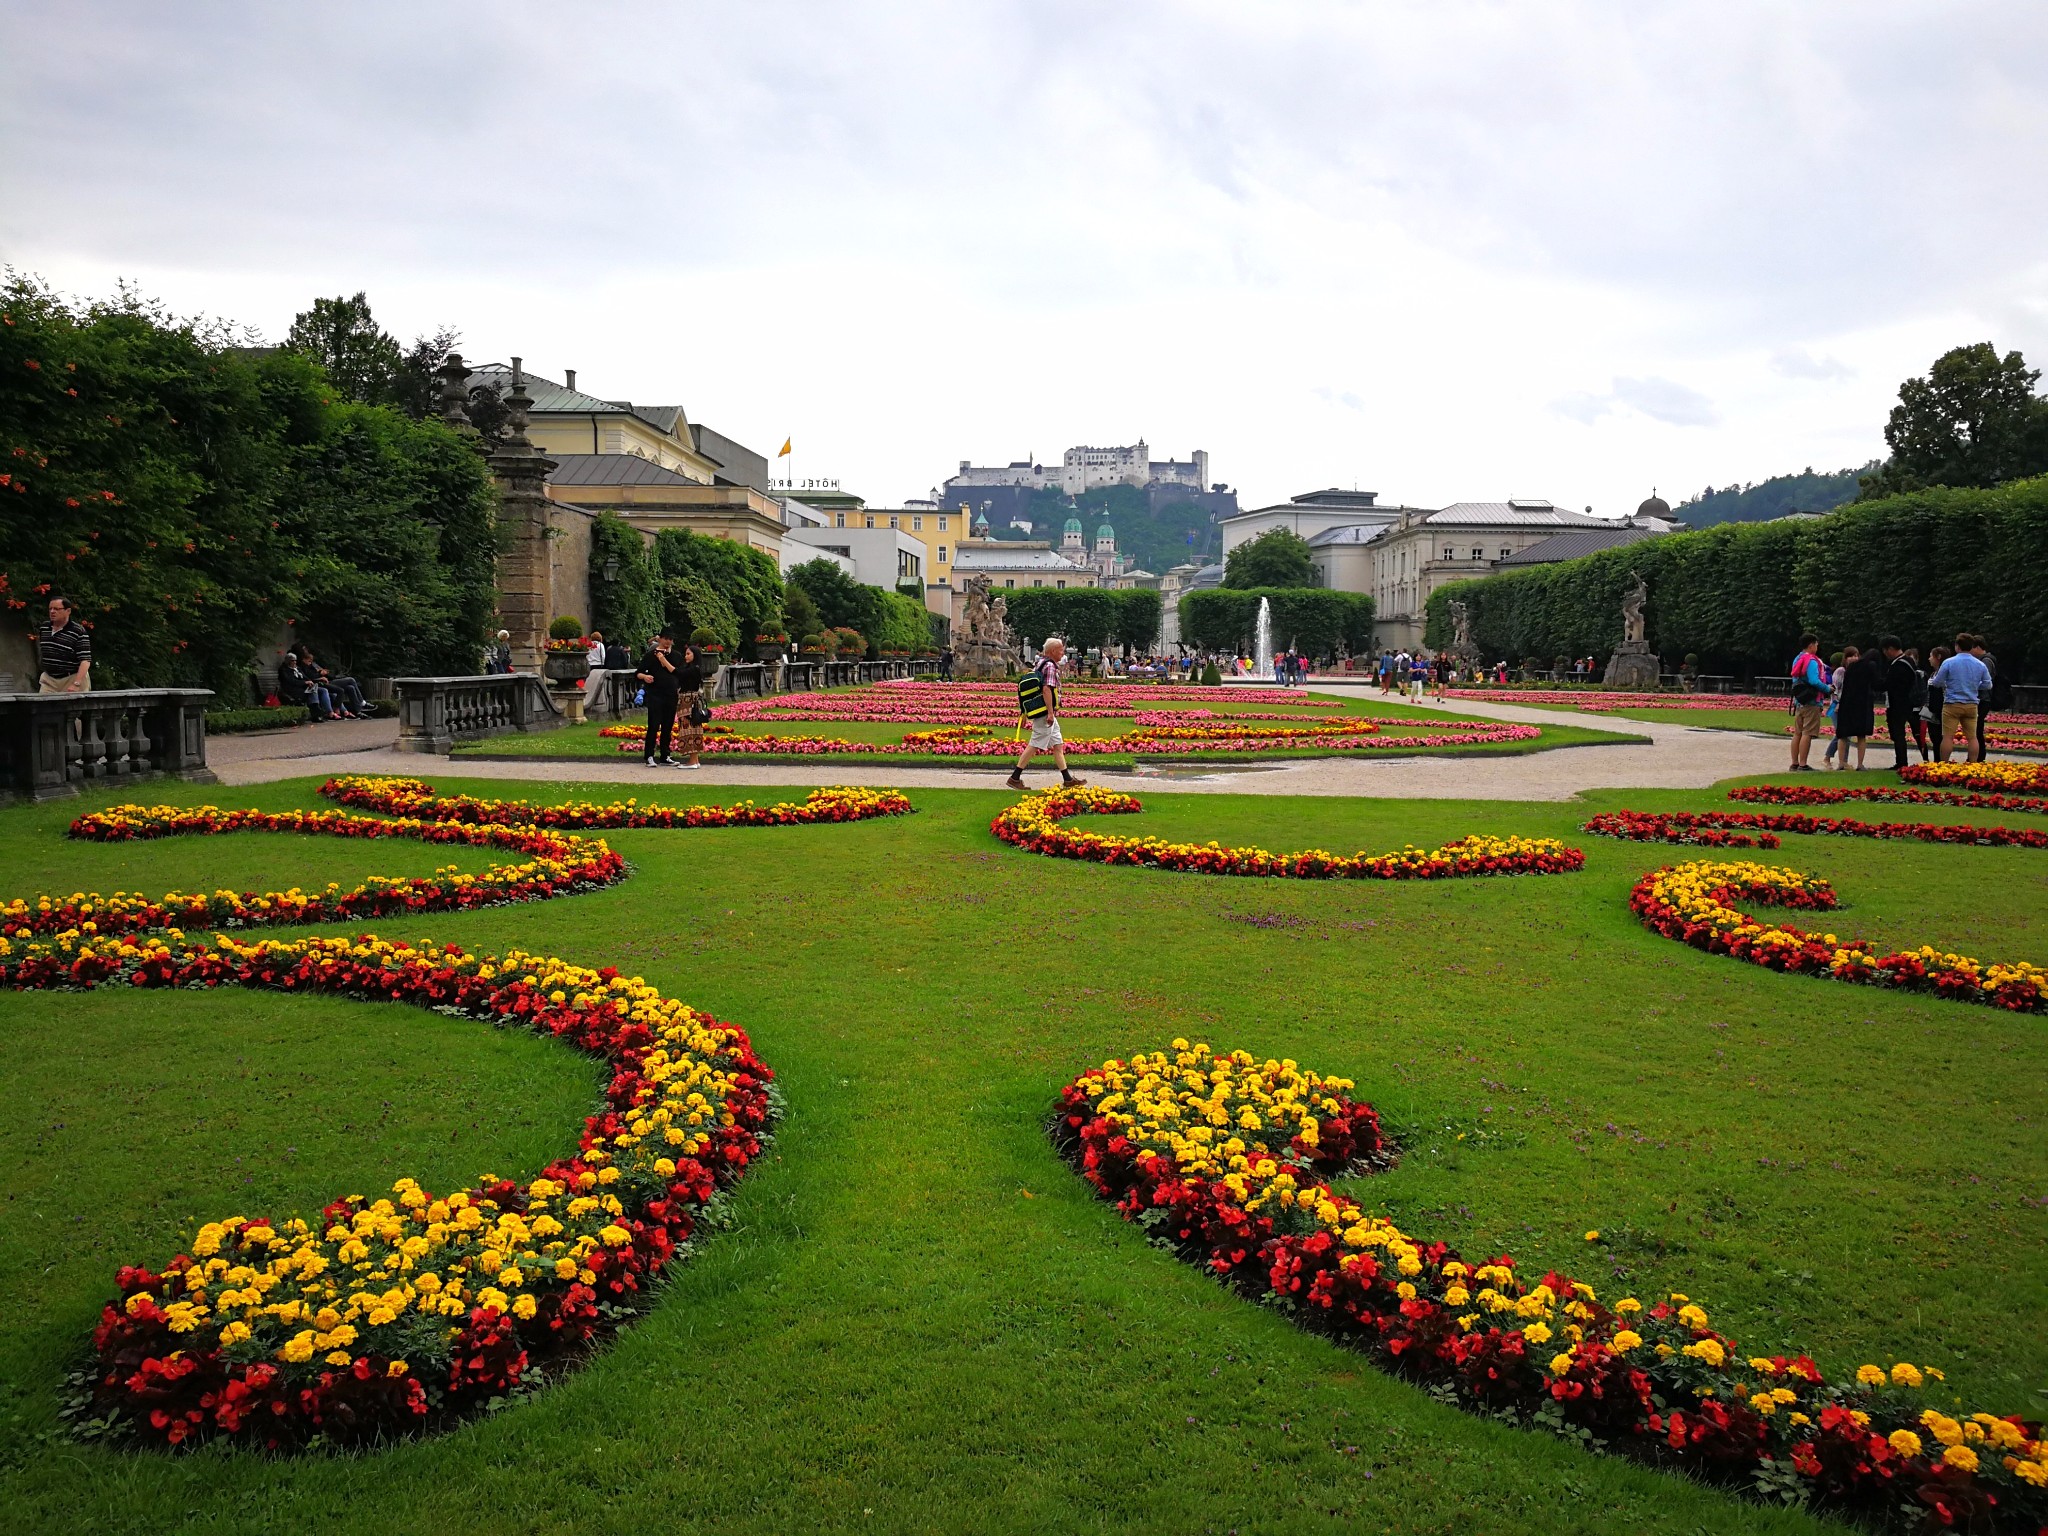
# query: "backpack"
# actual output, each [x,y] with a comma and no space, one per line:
[1032,703]
[1804,689]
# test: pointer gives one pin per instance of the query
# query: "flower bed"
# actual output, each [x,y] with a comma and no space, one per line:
[1033,824]
[2003,778]
[414,799]
[1602,702]
[1226,1160]
[394,1315]
[1357,735]
[1814,794]
[1755,829]
[1694,903]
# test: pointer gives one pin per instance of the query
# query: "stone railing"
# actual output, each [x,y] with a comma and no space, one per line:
[53,744]
[801,676]
[740,678]
[435,712]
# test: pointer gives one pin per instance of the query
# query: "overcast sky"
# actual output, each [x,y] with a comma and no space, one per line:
[1443,251]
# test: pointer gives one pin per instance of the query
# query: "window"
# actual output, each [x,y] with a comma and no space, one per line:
[896,522]
[839,521]
[945,525]
[1447,553]
[1011,582]
[917,525]
[1061,585]
[1505,552]
[1038,583]
[942,554]
[1477,552]
[871,521]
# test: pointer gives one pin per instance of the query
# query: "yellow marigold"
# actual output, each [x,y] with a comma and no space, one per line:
[1708,1350]
[1870,1375]
[1942,1427]
[1904,1375]
[2031,1472]
[1537,1333]
[1905,1442]
[1560,1364]
[1625,1340]
[1960,1456]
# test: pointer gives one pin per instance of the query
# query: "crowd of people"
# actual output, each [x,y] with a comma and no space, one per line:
[1935,707]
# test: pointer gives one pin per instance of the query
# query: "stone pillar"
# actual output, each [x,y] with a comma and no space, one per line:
[525,576]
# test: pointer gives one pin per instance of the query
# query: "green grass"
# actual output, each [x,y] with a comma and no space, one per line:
[1771,722]
[922,1320]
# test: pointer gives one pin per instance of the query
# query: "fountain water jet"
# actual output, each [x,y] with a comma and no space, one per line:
[1262,641]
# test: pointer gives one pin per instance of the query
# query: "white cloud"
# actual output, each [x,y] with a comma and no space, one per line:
[1798,363]
[908,232]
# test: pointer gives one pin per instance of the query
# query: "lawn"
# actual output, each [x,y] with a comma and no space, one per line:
[751,718]
[921,1318]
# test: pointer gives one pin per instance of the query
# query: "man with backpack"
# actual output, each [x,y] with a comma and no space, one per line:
[1038,701]
[1809,693]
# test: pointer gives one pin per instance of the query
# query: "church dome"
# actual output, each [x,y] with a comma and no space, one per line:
[1656,506]
[1105,532]
[1073,525]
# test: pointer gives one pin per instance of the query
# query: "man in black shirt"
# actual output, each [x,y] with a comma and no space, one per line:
[1901,682]
[658,676]
[64,651]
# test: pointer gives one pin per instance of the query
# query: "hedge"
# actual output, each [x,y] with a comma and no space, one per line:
[1087,618]
[1320,621]
[1923,566]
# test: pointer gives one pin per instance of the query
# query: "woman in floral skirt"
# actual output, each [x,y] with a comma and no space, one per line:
[689,685]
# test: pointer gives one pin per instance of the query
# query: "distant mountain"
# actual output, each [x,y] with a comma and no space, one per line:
[1153,527]
[1806,491]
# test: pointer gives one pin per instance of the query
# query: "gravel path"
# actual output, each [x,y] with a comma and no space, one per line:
[1676,756]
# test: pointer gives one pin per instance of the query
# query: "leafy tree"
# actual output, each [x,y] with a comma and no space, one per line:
[358,356]
[1974,421]
[413,388]
[1276,558]
[839,599]
[691,603]
[394,530]
[1807,491]
[800,614]
[747,579]
[1138,611]
[625,606]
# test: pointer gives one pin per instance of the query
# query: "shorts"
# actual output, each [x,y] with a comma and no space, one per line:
[1959,720]
[1806,719]
[1045,733]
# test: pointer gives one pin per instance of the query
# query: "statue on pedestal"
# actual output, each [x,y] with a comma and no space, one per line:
[1633,666]
[982,641]
[1461,631]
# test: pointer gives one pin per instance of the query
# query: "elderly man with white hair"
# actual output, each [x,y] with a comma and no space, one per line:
[1041,706]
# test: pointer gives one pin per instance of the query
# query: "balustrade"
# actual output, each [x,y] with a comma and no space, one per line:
[435,712]
[52,744]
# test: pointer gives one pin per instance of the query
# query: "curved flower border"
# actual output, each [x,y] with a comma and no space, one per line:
[394,1315]
[555,863]
[1033,824]
[1756,829]
[2000,778]
[1694,903]
[1225,1159]
[1814,794]
[974,740]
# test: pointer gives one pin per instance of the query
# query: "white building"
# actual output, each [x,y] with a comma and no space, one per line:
[1082,469]
[877,557]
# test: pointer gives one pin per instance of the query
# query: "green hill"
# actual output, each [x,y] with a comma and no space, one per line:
[1807,491]
[1157,540]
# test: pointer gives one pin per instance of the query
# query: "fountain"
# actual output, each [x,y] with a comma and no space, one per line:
[1262,641]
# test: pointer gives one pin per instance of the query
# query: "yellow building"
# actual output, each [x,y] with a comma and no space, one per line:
[939,532]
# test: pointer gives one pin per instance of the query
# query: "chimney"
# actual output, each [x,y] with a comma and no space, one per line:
[569,378]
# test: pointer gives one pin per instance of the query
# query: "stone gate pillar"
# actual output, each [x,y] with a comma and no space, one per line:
[525,576]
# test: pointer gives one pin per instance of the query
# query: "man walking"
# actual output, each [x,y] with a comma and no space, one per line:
[1045,727]
[1809,695]
[1963,680]
[63,651]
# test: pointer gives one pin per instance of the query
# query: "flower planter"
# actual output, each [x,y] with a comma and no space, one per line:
[565,666]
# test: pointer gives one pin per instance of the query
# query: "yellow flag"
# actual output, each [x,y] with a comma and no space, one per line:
[785,449]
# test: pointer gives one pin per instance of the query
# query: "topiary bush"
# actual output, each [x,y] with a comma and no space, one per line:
[565,627]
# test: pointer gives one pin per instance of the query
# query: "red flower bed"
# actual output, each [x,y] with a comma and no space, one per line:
[1814,794]
[1656,1382]
[1754,829]
[240,1338]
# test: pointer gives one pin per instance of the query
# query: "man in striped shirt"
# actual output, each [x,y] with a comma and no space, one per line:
[64,651]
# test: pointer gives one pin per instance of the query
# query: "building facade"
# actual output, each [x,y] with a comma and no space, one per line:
[1083,469]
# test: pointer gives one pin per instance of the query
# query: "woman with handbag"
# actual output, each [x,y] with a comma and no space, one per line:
[691,710]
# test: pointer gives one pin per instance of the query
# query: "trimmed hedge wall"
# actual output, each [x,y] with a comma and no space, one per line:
[1923,566]
[1322,622]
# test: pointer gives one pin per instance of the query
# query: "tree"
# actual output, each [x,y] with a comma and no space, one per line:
[1974,421]
[359,358]
[1276,558]
[746,578]
[393,530]
[626,605]
[800,616]
[690,603]
[836,596]
[1138,610]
